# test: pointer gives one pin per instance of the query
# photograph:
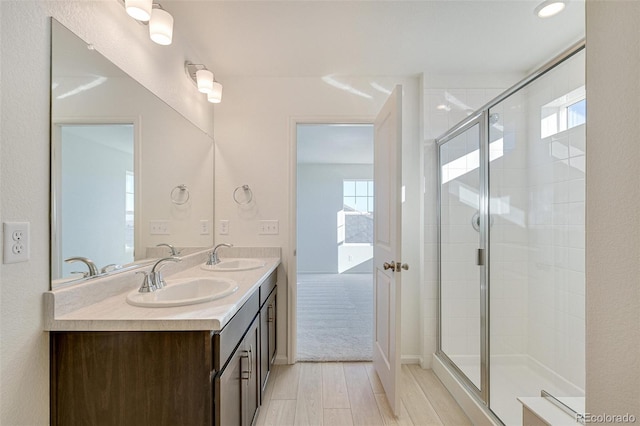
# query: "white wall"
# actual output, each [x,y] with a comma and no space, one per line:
[255,128]
[613,208]
[319,201]
[24,135]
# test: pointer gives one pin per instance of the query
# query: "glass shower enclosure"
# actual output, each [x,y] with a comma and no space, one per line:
[511,243]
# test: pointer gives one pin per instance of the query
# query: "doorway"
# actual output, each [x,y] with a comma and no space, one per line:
[334,210]
[93,172]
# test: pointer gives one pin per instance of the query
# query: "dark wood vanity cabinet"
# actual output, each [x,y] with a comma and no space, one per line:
[166,377]
[131,378]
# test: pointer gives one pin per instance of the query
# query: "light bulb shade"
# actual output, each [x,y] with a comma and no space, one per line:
[204,79]
[550,8]
[215,97]
[161,27]
[139,9]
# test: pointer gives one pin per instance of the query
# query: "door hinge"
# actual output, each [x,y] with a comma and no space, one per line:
[481,260]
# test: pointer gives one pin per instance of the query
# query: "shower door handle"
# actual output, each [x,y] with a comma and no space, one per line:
[480,260]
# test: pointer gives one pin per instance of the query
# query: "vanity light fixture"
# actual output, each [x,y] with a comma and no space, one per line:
[204,81]
[139,10]
[161,26]
[549,8]
[215,97]
[153,14]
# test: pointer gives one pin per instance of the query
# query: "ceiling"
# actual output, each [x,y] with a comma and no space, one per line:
[298,38]
[335,143]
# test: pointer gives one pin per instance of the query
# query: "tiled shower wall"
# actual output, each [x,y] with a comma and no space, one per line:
[556,291]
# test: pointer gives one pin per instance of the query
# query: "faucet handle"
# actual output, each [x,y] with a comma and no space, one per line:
[148,284]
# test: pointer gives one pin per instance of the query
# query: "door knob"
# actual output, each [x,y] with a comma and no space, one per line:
[395,266]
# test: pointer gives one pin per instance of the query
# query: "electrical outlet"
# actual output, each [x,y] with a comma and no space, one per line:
[224,227]
[159,227]
[204,227]
[16,242]
[268,227]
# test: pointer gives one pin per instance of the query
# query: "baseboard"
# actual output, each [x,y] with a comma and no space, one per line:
[411,359]
[281,360]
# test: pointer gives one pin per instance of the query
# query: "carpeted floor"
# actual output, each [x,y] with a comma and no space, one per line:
[335,317]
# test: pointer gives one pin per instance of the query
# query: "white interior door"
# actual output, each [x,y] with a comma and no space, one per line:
[386,250]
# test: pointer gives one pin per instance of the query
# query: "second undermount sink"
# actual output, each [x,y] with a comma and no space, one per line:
[237,264]
[182,292]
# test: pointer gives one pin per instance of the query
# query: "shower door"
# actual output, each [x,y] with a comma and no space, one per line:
[462,243]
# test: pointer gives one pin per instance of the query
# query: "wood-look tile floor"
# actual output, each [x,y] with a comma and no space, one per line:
[343,394]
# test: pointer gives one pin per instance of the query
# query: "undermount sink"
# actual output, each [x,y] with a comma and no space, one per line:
[238,264]
[187,291]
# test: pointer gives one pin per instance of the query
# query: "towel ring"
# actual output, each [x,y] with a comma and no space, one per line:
[247,191]
[179,193]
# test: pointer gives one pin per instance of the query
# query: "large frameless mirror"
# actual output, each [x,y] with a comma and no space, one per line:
[127,171]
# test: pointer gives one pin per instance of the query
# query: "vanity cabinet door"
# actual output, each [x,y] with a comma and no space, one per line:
[228,403]
[271,320]
[251,381]
[236,388]
[267,338]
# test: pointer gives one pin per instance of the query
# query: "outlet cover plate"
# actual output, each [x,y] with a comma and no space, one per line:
[159,227]
[268,227]
[16,242]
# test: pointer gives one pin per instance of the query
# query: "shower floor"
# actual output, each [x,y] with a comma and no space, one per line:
[518,376]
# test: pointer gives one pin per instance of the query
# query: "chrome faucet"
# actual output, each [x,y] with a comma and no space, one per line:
[213,255]
[174,252]
[110,267]
[93,269]
[156,276]
[147,283]
[153,280]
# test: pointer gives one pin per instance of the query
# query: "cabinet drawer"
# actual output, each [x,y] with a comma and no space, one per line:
[228,338]
[267,287]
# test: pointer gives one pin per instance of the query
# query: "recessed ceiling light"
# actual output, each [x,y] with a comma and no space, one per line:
[550,8]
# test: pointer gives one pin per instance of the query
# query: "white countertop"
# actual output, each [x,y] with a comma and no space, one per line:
[67,309]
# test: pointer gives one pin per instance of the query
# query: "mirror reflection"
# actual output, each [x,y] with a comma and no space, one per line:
[132,179]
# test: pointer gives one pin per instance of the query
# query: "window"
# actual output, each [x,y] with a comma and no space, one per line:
[129,207]
[358,200]
[577,114]
[564,113]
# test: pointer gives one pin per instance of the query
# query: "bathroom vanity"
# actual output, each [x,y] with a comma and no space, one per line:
[202,364]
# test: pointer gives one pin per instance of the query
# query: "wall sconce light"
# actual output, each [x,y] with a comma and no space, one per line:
[159,20]
[161,26]
[139,10]
[204,81]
